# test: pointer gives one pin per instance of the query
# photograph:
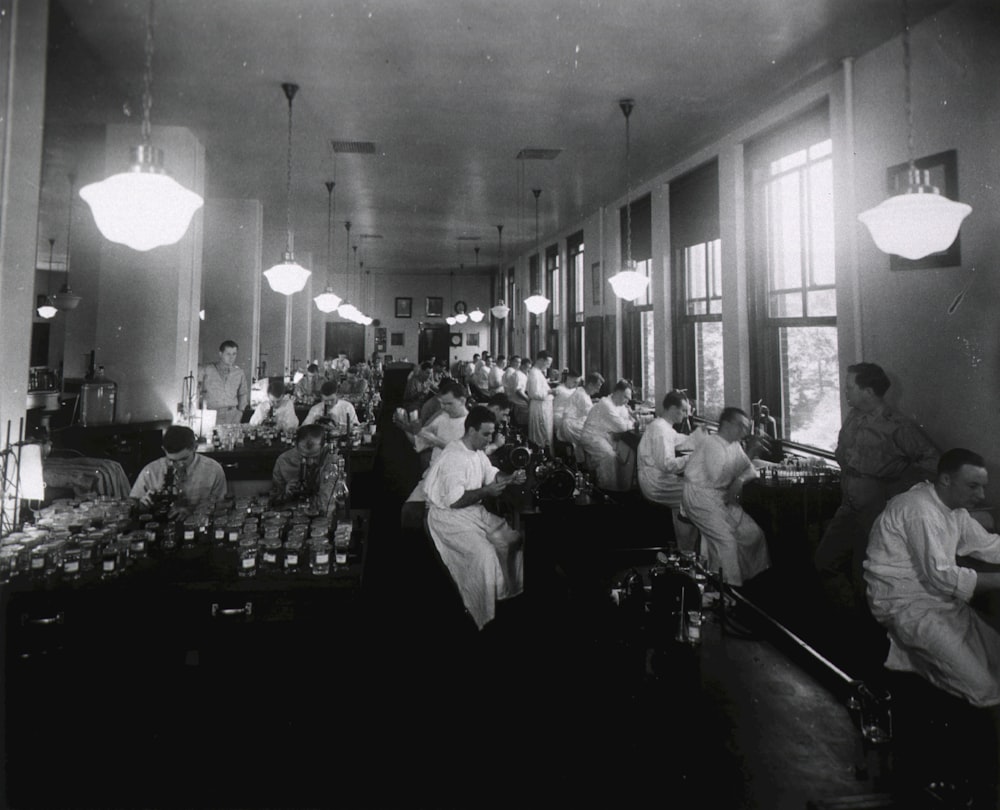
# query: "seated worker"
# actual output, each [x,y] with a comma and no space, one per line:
[881,454]
[354,387]
[613,464]
[223,386]
[540,401]
[482,552]
[418,387]
[494,377]
[920,594]
[660,468]
[479,383]
[445,426]
[278,409]
[307,389]
[194,479]
[575,412]
[560,398]
[499,405]
[306,472]
[713,482]
[515,384]
[332,412]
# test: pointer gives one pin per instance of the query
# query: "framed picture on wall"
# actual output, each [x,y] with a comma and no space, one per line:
[943,169]
[434,307]
[404,307]
[395,338]
[472,339]
[595,280]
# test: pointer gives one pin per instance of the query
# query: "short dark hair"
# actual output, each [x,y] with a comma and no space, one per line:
[453,387]
[869,375]
[276,386]
[624,385]
[595,378]
[479,415]
[312,368]
[499,401]
[500,357]
[328,388]
[228,344]
[543,355]
[952,460]
[177,438]
[572,373]
[310,431]
[427,365]
[731,413]
[674,398]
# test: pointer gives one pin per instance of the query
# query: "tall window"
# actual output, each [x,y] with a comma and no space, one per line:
[554,287]
[697,289]
[639,362]
[797,371]
[575,301]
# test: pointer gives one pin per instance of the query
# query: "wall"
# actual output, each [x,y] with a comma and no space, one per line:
[945,369]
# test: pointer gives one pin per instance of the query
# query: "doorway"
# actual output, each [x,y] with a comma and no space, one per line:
[433,342]
[345,337]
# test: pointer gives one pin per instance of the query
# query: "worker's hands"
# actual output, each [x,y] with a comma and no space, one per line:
[179,512]
[498,440]
[496,487]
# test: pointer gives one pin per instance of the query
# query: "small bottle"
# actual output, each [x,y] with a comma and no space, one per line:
[246,557]
[319,557]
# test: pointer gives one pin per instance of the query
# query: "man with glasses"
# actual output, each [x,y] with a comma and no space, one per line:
[195,479]
[713,483]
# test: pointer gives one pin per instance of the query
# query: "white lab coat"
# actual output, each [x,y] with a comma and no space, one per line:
[539,409]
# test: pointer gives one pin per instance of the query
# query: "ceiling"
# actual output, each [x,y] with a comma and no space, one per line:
[449,91]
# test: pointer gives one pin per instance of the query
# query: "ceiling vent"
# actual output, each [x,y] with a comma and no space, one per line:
[529,153]
[353,147]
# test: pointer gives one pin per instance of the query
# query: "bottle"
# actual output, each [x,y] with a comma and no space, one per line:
[342,498]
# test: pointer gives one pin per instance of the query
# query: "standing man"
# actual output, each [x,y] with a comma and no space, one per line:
[880,453]
[713,482]
[540,401]
[494,378]
[660,468]
[195,479]
[481,551]
[223,386]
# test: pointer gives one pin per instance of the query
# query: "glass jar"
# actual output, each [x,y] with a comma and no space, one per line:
[110,560]
[270,551]
[342,545]
[137,545]
[189,532]
[319,558]
[292,561]
[72,562]
[246,557]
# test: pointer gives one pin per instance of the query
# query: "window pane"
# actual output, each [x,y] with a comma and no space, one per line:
[555,292]
[822,303]
[578,280]
[786,305]
[784,241]
[708,369]
[810,376]
[821,222]
[694,272]
[821,149]
[696,307]
[648,356]
[788,162]
[715,271]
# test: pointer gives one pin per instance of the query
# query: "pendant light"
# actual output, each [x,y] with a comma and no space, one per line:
[288,276]
[346,310]
[628,283]
[477,315]
[921,220]
[328,301]
[46,310]
[144,207]
[66,299]
[500,310]
[536,302]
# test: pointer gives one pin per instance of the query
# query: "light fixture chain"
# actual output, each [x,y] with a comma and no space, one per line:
[147,80]
[907,93]
[288,182]
[628,192]
[329,232]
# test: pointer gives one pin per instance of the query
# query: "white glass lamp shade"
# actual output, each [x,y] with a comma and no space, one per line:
[327,301]
[201,317]
[65,299]
[500,311]
[476,315]
[461,317]
[288,276]
[142,208]
[628,284]
[915,224]
[366,320]
[450,320]
[46,310]
[536,304]
[348,312]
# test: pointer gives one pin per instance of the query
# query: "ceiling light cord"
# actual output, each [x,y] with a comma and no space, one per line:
[907,90]
[626,106]
[290,90]
[147,81]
